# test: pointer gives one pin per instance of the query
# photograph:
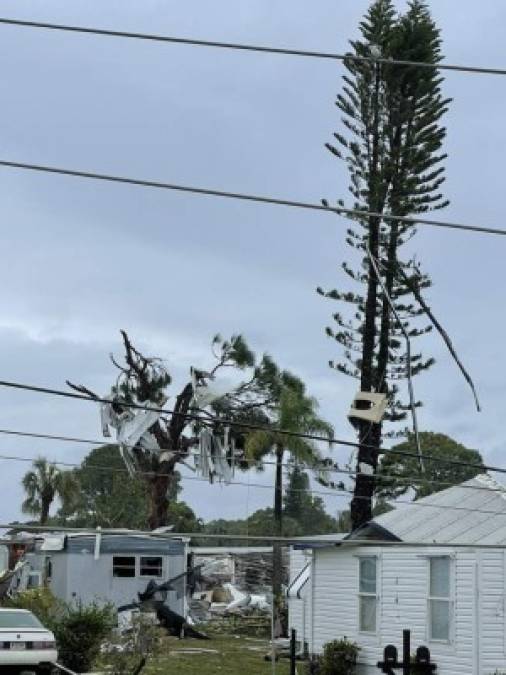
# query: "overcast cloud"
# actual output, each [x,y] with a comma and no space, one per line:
[83,259]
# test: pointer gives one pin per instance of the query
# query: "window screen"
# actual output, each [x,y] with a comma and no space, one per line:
[123,566]
[367,597]
[439,599]
[151,566]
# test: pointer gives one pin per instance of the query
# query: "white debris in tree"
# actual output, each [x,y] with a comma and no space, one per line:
[211,461]
[132,426]
[132,429]
[204,393]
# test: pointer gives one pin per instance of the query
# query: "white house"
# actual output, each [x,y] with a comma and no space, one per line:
[110,568]
[436,566]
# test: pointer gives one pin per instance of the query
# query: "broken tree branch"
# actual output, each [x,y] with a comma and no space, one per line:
[413,287]
[82,389]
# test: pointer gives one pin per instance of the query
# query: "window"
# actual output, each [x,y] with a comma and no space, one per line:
[439,599]
[151,567]
[367,595]
[123,566]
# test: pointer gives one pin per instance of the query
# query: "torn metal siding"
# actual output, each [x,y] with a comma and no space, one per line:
[125,544]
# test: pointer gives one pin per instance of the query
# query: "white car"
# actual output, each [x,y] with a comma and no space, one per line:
[25,645]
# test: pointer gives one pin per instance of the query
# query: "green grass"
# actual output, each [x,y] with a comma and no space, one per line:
[236,656]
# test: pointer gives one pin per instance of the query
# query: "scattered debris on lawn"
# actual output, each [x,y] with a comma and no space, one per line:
[191,650]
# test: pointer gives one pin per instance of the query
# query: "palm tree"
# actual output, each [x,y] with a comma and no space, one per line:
[43,484]
[296,412]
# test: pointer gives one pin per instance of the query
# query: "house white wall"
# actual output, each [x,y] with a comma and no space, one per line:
[491,628]
[477,645]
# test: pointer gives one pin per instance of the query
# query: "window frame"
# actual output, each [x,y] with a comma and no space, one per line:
[365,594]
[124,567]
[449,599]
[151,557]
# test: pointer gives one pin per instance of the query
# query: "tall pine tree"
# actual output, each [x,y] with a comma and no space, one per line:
[391,144]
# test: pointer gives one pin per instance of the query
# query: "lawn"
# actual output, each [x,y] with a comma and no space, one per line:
[228,655]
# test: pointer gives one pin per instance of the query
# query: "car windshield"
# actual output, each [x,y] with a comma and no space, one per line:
[19,620]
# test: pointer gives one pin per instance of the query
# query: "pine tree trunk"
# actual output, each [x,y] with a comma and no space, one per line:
[361,504]
[277,560]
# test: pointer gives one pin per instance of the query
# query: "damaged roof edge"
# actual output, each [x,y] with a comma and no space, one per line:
[369,531]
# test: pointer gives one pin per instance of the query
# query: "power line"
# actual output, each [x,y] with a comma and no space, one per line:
[112,470]
[317,539]
[249,47]
[240,425]
[405,480]
[336,492]
[209,192]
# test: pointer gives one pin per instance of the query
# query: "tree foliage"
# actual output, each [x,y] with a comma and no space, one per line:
[303,514]
[400,474]
[391,142]
[43,484]
[307,510]
[108,497]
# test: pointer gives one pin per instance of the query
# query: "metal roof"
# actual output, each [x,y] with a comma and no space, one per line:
[434,520]
[128,544]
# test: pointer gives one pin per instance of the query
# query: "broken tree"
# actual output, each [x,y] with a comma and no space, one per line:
[153,442]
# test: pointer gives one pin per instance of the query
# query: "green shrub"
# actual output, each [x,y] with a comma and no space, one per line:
[314,665]
[80,631]
[39,601]
[339,658]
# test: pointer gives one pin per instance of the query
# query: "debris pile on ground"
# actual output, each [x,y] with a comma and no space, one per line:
[253,624]
[236,581]
[225,600]
[248,569]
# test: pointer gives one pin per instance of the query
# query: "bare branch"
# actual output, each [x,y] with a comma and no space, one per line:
[413,286]
[179,419]
[82,390]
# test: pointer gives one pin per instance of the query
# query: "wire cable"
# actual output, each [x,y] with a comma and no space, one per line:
[209,192]
[333,493]
[404,480]
[248,47]
[232,423]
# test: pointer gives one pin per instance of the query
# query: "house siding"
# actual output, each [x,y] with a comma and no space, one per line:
[402,587]
[491,628]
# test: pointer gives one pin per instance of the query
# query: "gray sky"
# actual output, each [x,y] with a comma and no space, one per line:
[83,259]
